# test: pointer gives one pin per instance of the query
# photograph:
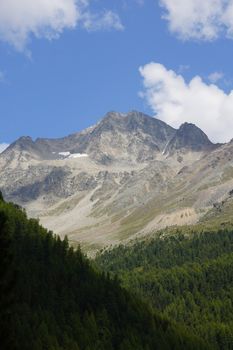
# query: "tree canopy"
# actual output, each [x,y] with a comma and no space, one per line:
[52,298]
[187,276]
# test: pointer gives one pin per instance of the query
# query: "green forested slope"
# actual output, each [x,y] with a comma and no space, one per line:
[51,298]
[189,278]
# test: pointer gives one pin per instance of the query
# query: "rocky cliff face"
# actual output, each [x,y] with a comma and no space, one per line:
[127,175]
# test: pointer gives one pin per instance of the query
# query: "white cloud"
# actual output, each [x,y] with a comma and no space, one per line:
[19,19]
[215,77]
[105,20]
[199,19]
[176,101]
[3,146]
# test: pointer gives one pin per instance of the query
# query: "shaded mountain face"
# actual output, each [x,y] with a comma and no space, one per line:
[189,138]
[125,176]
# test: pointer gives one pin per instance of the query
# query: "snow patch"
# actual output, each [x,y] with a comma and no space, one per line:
[69,155]
[64,154]
[78,155]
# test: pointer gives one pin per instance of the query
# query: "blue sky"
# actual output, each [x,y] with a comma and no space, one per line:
[64,77]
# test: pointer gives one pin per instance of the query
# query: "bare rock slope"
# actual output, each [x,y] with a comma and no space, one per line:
[126,176]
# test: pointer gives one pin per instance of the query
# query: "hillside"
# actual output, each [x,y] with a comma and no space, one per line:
[51,298]
[186,273]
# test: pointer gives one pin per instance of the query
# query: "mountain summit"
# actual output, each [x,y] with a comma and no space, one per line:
[189,138]
[133,136]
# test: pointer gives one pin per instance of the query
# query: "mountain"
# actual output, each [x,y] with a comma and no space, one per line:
[189,138]
[52,298]
[124,177]
[117,137]
[131,137]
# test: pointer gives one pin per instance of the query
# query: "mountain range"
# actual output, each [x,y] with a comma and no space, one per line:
[126,176]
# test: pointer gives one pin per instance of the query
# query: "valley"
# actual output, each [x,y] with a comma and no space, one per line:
[125,177]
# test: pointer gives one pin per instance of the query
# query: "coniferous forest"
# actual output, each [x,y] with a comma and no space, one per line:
[52,298]
[187,277]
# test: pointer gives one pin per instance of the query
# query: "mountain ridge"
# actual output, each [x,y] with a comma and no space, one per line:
[125,176]
[134,121]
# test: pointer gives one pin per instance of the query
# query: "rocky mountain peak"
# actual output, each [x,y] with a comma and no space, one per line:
[134,121]
[189,138]
[117,119]
[23,143]
[133,136]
